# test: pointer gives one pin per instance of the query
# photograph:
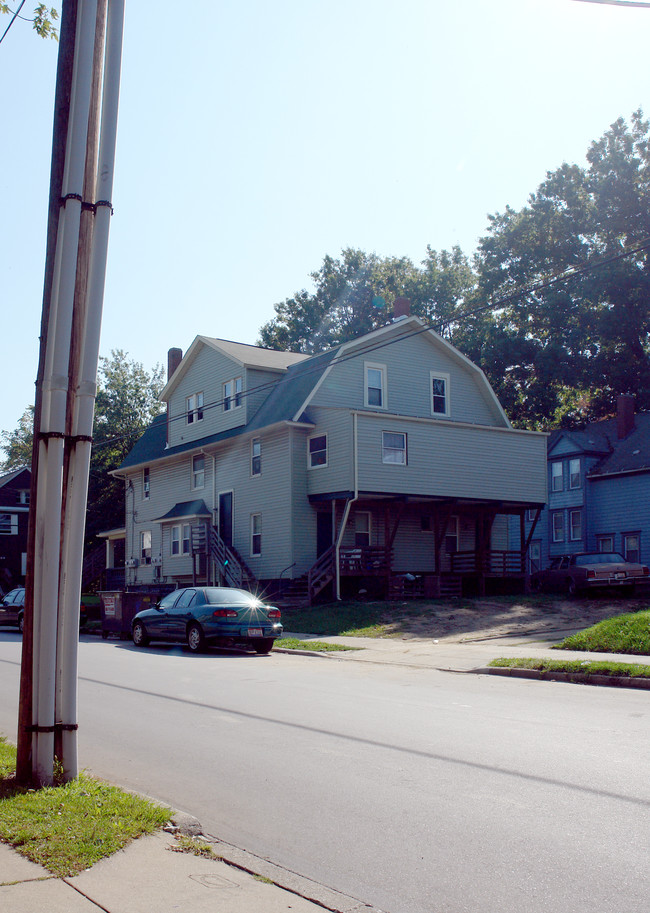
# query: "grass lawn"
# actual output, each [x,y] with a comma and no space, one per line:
[360,619]
[68,828]
[624,634]
[589,667]
[316,646]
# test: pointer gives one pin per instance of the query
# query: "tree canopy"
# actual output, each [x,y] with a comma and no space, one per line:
[127,401]
[556,350]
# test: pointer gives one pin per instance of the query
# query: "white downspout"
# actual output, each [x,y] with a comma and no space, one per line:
[346,513]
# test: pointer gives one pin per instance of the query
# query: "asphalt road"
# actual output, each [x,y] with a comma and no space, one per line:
[415,790]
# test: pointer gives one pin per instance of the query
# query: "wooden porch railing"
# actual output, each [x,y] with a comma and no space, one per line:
[366,560]
[494,563]
[320,573]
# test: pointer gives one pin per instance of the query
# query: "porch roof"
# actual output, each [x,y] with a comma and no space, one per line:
[383,497]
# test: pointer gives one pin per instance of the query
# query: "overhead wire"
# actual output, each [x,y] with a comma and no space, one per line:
[370,347]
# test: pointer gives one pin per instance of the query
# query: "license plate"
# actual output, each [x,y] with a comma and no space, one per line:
[254,632]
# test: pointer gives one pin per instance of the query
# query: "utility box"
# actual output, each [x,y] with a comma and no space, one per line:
[120,606]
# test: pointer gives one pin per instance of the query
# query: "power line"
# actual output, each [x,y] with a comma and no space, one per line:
[13,19]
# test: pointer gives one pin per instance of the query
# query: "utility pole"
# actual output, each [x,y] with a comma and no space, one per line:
[79,217]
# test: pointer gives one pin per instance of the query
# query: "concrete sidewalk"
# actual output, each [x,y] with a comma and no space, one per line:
[147,876]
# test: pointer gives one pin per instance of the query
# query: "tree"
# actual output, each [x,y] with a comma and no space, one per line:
[354,295]
[127,401]
[42,21]
[547,348]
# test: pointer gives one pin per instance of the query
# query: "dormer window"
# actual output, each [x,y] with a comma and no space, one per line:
[194,408]
[232,393]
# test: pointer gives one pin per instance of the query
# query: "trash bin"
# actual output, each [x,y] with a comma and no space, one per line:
[120,606]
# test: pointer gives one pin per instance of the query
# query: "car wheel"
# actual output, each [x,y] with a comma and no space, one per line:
[263,645]
[139,634]
[195,638]
[21,622]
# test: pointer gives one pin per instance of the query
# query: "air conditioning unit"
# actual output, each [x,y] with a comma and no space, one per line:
[156,560]
[131,562]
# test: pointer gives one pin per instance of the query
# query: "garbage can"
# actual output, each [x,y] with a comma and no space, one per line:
[119,607]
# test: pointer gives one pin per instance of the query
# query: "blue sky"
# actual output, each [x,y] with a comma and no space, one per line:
[255,138]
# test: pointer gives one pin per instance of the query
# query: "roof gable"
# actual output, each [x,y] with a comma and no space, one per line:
[241,354]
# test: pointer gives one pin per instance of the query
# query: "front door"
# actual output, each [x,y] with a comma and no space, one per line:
[225,517]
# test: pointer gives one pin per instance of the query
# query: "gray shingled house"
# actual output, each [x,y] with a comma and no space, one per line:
[384,465]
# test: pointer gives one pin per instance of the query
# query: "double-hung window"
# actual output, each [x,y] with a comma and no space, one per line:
[439,393]
[256,457]
[232,393]
[145,546]
[375,385]
[632,547]
[362,528]
[575,518]
[558,526]
[8,524]
[256,535]
[557,476]
[194,408]
[574,473]
[393,447]
[605,543]
[180,539]
[146,483]
[198,471]
[317,451]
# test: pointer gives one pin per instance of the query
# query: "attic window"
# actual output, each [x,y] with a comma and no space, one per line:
[232,393]
[439,393]
[194,407]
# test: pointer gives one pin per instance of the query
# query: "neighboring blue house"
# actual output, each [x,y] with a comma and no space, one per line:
[598,490]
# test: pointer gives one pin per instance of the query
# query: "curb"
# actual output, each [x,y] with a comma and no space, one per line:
[325,897]
[576,678]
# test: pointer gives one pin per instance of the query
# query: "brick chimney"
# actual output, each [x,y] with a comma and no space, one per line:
[401,308]
[624,415]
[174,358]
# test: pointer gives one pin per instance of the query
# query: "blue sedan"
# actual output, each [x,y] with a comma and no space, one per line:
[219,616]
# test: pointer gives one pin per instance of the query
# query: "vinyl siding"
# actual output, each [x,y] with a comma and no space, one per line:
[208,373]
[408,366]
[454,461]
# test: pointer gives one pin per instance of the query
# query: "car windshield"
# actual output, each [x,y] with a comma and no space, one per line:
[600,558]
[228,596]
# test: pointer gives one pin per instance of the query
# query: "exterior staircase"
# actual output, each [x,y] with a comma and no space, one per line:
[232,566]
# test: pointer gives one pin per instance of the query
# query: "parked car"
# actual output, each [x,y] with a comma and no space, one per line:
[199,616]
[12,608]
[574,574]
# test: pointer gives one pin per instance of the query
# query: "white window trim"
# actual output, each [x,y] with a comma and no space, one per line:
[193,486]
[368,514]
[327,451]
[12,529]
[573,487]
[143,559]
[384,448]
[625,537]
[441,375]
[181,539]
[256,440]
[573,538]
[555,538]
[235,397]
[253,553]
[146,483]
[194,410]
[373,366]
[454,521]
